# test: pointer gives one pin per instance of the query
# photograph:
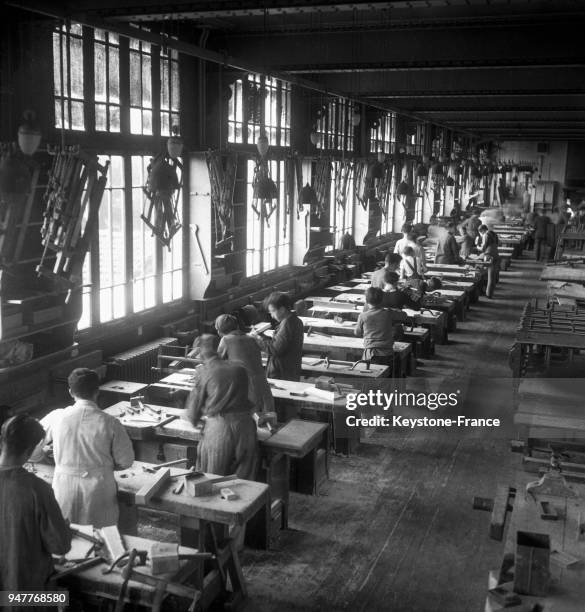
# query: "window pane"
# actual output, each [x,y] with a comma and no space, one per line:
[100,72]
[105,305]
[147,122]
[146,82]
[58,113]
[114,119]
[135,121]
[76,51]
[114,76]
[57,63]
[112,242]
[138,295]
[119,302]
[68,77]
[101,122]
[135,80]
[77,121]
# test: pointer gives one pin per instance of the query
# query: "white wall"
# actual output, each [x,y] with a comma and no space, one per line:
[552,165]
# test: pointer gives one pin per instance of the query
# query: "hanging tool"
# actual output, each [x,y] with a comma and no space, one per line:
[195,230]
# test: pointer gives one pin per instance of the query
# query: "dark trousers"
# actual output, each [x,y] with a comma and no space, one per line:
[539,243]
[387,360]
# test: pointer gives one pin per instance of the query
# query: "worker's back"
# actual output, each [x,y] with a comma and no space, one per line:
[88,445]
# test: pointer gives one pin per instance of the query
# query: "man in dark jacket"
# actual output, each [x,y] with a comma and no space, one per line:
[285,348]
[541,223]
[447,248]
[32,527]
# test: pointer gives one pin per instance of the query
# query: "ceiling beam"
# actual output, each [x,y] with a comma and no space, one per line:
[437,47]
[485,93]
[504,109]
[515,64]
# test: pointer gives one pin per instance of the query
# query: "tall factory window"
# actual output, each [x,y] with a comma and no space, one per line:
[169,92]
[107,81]
[256,103]
[383,133]
[172,266]
[143,242]
[341,199]
[126,250]
[140,62]
[140,87]
[334,127]
[112,243]
[268,226]
[68,77]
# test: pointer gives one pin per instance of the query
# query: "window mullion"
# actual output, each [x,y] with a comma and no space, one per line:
[89,79]
[128,220]
[155,92]
[95,277]
[124,60]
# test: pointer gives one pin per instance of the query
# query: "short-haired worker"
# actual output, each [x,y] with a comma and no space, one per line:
[32,527]
[285,348]
[237,346]
[88,446]
[375,326]
[391,264]
[220,397]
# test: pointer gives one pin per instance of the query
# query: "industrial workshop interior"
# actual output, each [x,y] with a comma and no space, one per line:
[292,305]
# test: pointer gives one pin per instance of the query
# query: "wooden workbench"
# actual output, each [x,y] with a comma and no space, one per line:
[435,321]
[311,407]
[570,273]
[179,439]
[446,305]
[566,592]
[418,336]
[566,293]
[459,292]
[93,586]
[550,410]
[351,348]
[546,327]
[197,515]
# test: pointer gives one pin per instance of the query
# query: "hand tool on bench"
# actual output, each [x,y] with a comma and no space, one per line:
[137,401]
[153,468]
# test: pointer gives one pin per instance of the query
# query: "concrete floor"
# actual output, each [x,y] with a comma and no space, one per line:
[394,529]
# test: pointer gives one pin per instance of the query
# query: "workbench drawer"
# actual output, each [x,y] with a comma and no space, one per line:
[152,451]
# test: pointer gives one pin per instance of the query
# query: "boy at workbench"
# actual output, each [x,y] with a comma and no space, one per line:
[88,446]
[32,527]
[220,396]
[376,327]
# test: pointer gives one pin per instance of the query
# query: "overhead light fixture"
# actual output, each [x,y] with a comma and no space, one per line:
[262,143]
[29,135]
[314,137]
[381,157]
[307,195]
[356,118]
[175,143]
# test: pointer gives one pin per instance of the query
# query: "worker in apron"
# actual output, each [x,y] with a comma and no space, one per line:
[88,446]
